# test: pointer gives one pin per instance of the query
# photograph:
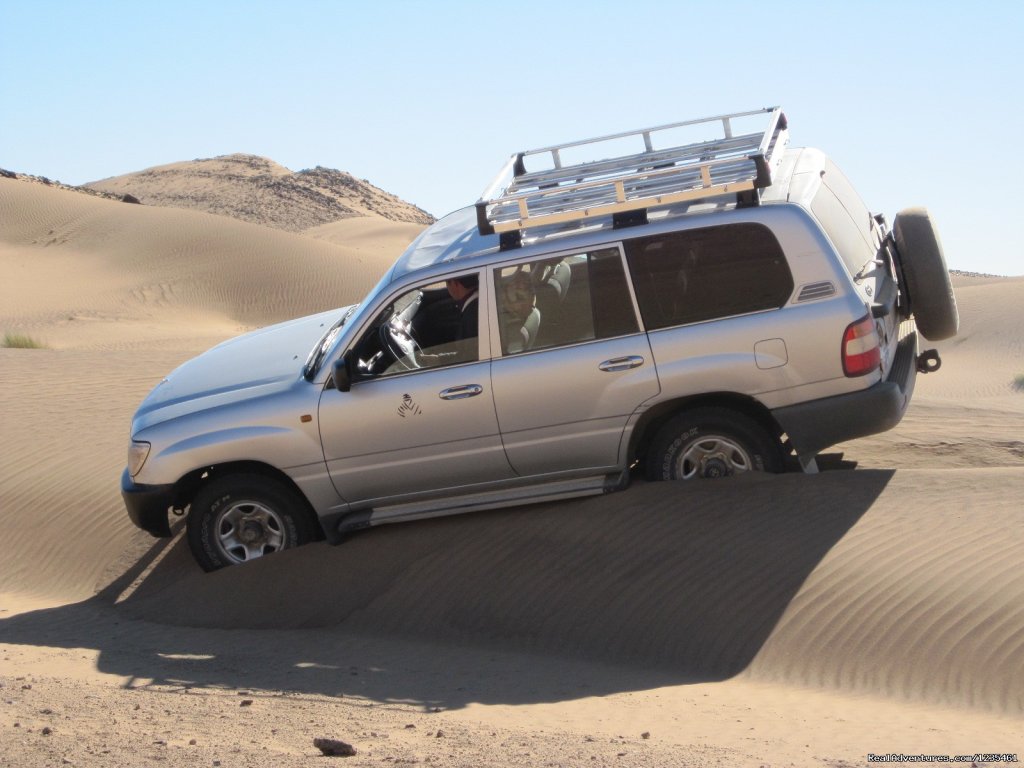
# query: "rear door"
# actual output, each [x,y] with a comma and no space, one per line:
[574,363]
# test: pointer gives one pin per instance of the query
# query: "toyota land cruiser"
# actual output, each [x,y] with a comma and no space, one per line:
[694,309]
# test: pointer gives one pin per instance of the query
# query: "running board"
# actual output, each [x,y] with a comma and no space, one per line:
[496,499]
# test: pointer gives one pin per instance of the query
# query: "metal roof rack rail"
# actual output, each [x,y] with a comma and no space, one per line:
[625,186]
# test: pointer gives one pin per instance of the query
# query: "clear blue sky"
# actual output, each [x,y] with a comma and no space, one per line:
[916,101]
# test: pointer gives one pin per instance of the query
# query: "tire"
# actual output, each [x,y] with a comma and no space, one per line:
[926,276]
[711,442]
[238,518]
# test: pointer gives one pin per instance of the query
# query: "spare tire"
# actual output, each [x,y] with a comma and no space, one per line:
[926,278]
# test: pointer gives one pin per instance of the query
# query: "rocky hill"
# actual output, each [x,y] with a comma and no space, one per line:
[260,191]
[30,178]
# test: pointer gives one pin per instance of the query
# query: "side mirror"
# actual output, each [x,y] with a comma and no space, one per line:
[343,373]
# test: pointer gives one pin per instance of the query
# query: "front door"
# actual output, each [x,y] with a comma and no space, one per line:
[419,419]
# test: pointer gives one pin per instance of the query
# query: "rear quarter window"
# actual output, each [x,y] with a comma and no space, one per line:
[708,273]
[845,219]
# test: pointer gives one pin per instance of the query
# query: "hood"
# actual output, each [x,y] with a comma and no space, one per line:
[253,365]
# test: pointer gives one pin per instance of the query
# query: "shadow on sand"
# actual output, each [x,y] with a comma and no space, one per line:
[664,584]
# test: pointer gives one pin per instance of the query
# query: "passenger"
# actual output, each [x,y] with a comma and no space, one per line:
[519,315]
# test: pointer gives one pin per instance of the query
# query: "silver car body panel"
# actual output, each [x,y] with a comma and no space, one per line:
[559,411]
[395,435]
[245,397]
[257,364]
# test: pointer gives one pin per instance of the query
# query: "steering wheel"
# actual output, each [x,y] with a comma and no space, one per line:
[400,343]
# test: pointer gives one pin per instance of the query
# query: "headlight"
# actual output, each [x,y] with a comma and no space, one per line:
[138,452]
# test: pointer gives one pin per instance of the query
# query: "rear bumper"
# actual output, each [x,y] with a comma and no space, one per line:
[819,424]
[147,505]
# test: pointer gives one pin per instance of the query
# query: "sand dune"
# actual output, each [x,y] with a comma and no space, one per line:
[704,583]
[370,234]
[848,612]
[77,259]
[986,357]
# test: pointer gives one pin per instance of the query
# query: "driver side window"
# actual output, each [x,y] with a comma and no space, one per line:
[429,326]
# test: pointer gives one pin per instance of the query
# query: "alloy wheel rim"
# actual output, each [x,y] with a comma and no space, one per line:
[248,529]
[713,456]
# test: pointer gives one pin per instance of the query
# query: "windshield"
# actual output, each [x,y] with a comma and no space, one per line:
[316,355]
[453,237]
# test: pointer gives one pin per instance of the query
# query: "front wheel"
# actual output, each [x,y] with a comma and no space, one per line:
[711,442]
[238,518]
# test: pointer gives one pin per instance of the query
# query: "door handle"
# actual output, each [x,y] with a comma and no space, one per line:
[621,363]
[460,392]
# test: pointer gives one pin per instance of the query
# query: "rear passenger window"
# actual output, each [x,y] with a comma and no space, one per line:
[703,274]
[564,300]
[846,219]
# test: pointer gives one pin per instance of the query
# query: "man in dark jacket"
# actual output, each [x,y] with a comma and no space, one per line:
[465,291]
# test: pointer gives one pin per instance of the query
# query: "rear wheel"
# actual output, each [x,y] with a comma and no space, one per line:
[711,442]
[925,274]
[239,518]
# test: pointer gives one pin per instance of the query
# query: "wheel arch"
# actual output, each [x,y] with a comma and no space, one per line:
[651,421]
[189,485]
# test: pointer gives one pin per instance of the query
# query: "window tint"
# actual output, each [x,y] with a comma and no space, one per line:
[427,327]
[564,300]
[611,303]
[846,219]
[702,274]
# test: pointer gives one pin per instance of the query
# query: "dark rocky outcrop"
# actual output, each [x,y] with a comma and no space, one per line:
[260,191]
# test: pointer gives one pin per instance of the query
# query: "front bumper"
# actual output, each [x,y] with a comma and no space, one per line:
[147,505]
[819,424]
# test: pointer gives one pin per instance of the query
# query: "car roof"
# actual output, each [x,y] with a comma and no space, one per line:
[456,238]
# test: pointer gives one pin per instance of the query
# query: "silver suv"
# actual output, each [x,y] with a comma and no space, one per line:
[704,303]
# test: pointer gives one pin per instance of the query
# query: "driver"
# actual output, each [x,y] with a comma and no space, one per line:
[464,291]
[451,339]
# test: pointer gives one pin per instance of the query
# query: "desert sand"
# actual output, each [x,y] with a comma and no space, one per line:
[763,620]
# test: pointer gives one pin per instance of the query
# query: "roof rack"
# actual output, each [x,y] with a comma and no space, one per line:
[627,185]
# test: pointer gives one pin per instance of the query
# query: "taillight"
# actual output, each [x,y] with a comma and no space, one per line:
[861,352]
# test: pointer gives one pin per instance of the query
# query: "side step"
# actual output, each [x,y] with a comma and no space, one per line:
[553,490]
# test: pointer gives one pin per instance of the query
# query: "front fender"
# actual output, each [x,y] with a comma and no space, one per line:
[176,453]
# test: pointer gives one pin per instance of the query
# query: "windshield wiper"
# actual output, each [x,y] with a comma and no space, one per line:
[864,271]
